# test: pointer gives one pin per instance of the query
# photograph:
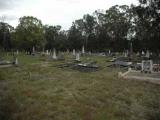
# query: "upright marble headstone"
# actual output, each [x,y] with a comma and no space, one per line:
[147,54]
[83,51]
[17,52]
[54,54]
[125,54]
[143,52]
[77,57]
[74,52]
[47,53]
[109,52]
[33,50]
[137,54]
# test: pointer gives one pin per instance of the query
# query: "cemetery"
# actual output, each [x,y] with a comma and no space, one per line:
[79,60]
[75,82]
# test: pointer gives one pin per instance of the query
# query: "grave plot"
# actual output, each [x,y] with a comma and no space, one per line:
[86,67]
[6,63]
[121,62]
[148,72]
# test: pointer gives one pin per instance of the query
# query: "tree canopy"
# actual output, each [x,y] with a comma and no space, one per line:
[112,29]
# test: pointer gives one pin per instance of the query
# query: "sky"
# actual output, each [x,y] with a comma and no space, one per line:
[54,12]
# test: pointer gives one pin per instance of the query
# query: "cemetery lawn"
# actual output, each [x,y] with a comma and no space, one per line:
[37,90]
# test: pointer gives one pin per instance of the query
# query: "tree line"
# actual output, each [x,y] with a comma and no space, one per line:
[113,29]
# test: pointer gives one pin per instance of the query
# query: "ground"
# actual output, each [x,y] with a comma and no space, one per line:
[37,90]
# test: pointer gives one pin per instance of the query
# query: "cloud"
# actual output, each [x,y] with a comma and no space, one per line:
[6,4]
[53,12]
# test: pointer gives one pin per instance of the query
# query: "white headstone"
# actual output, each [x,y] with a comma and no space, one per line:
[83,51]
[16,61]
[54,54]
[77,57]
[33,50]
[74,52]
[125,54]
[143,53]
[47,53]
[109,52]
[147,54]
[17,52]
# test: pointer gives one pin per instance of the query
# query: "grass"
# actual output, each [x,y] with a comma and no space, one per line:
[36,90]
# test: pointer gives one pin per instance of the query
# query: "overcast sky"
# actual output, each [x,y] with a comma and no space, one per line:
[54,12]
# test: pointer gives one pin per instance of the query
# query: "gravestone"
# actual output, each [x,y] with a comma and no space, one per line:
[74,52]
[147,54]
[125,54]
[17,52]
[47,53]
[143,53]
[54,54]
[109,52]
[77,57]
[147,66]
[83,51]
[33,51]
[138,54]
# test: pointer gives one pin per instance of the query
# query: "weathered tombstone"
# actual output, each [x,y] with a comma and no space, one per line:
[137,54]
[15,60]
[147,54]
[17,52]
[47,53]
[77,57]
[125,54]
[33,51]
[109,52]
[54,54]
[143,53]
[83,51]
[74,52]
[67,51]
[147,66]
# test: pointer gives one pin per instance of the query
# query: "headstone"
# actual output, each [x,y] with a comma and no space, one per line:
[83,51]
[17,52]
[147,54]
[47,53]
[125,54]
[67,51]
[109,52]
[33,50]
[137,54]
[77,57]
[74,52]
[147,66]
[143,52]
[54,54]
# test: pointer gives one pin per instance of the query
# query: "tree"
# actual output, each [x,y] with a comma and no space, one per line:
[29,33]
[5,36]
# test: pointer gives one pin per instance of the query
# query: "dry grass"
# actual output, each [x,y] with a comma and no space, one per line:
[38,91]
